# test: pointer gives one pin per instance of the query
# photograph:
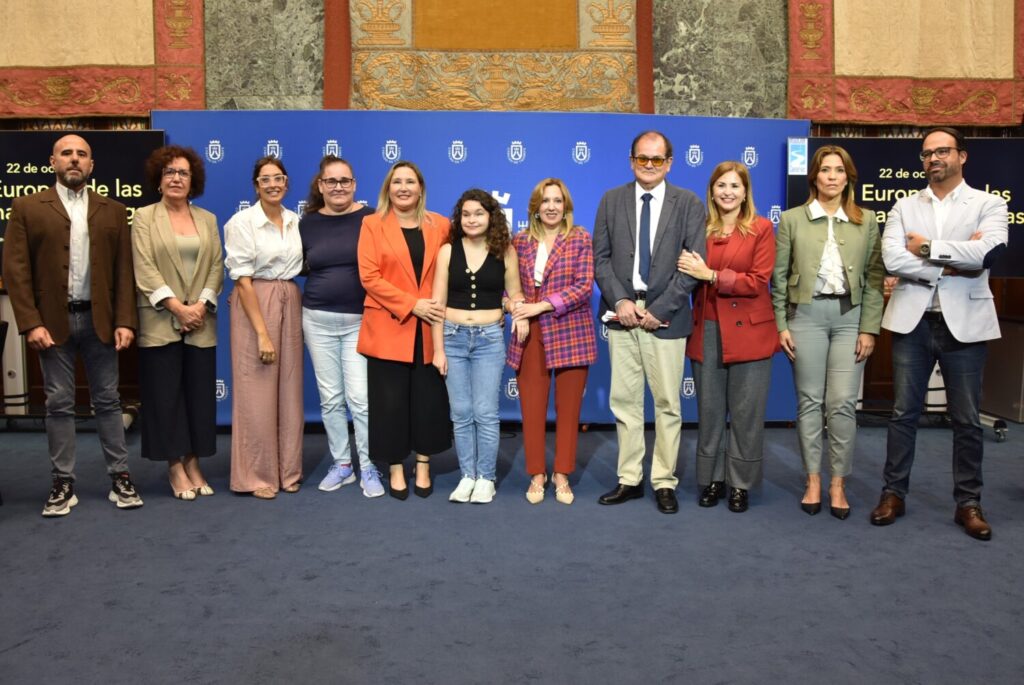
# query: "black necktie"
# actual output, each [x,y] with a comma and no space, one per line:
[645,237]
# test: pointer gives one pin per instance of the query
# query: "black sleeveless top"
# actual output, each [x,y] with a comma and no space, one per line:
[479,290]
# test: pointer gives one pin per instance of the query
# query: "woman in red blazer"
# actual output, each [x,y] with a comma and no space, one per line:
[732,343]
[556,268]
[407,399]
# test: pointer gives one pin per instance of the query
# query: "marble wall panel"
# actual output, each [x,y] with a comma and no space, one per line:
[714,58]
[264,54]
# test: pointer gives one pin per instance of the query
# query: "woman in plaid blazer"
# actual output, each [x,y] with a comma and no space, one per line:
[556,267]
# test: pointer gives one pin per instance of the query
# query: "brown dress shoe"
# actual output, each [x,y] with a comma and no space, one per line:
[974,522]
[890,507]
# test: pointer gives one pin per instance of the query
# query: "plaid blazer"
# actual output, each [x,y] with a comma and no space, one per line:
[568,332]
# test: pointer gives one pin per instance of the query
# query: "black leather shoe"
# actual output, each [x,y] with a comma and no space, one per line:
[621,493]
[710,495]
[839,512]
[399,494]
[811,508]
[738,500]
[666,498]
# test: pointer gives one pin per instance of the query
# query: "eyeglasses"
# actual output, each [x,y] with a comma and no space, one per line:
[185,174]
[656,162]
[268,180]
[332,183]
[939,152]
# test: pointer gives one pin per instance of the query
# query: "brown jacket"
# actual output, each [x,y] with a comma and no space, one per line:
[36,262]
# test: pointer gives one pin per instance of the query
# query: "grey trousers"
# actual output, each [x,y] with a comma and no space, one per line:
[827,377]
[738,391]
[58,366]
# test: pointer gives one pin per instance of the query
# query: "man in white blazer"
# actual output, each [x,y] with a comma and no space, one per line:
[940,243]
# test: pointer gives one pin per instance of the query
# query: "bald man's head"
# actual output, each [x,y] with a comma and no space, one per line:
[72,161]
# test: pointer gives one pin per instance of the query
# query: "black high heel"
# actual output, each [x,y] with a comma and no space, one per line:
[839,512]
[422,492]
[811,508]
[402,494]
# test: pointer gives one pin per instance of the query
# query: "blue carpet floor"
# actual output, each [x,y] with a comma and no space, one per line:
[333,587]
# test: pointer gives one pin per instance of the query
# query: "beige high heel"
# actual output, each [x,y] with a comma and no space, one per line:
[535,495]
[563,493]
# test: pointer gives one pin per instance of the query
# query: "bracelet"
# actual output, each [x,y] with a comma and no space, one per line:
[714,277]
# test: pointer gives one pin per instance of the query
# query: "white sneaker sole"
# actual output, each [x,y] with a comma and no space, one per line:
[61,512]
[121,504]
[371,495]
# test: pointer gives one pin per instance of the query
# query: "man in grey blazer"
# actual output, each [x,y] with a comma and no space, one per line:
[68,270]
[940,243]
[640,230]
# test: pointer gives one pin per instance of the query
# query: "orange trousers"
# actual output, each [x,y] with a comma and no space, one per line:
[534,381]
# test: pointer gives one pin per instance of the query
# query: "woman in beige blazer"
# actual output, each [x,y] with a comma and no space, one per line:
[179,271]
[827,295]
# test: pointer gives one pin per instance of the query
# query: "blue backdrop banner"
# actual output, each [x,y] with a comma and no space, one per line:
[504,153]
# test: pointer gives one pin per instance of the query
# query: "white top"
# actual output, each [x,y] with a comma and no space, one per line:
[254,247]
[540,263]
[657,202]
[831,277]
[76,204]
[941,208]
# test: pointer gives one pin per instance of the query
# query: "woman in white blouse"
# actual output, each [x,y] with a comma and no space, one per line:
[264,254]
[827,295]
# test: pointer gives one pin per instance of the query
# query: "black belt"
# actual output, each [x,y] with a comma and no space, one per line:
[830,296]
[79,305]
[933,316]
[640,295]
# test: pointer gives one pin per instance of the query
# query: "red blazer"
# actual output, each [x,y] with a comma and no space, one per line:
[385,269]
[746,320]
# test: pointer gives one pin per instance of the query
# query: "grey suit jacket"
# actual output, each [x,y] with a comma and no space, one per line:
[680,226]
[159,273]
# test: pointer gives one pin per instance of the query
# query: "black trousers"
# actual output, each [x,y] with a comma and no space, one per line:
[178,389]
[408,408]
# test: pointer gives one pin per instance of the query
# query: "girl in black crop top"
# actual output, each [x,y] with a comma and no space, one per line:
[477,279]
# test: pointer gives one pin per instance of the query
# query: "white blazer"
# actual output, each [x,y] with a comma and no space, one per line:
[966,300]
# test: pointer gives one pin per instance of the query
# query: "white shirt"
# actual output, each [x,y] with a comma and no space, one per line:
[76,204]
[657,202]
[831,276]
[540,263]
[255,247]
[941,208]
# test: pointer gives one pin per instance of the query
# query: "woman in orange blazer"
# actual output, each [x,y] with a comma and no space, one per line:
[407,397]
[731,346]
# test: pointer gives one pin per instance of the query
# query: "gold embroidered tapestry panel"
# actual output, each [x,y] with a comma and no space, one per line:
[476,25]
[553,55]
[933,39]
[62,33]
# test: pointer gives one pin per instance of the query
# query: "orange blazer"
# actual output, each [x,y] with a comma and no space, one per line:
[385,269]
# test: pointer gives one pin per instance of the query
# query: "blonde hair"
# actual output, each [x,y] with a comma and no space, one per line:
[855,214]
[745,219]
[536,229]
[384,199]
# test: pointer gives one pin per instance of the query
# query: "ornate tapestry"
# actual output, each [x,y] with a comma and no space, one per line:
[560,55]
[917,62]
[116,58]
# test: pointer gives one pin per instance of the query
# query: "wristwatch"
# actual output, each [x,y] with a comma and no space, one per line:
[926,249]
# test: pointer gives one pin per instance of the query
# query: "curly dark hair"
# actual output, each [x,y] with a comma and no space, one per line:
[498,235]
[163,156]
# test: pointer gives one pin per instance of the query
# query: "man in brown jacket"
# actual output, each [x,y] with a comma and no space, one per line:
[68,270]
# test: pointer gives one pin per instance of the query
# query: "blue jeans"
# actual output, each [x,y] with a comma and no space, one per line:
[58,366]
[341,379]
[913,357]
[476,359]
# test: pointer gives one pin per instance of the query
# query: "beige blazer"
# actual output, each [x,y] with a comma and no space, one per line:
[160,273]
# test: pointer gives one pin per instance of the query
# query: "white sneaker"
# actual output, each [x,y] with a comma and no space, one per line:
[483,491]
[463,491]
